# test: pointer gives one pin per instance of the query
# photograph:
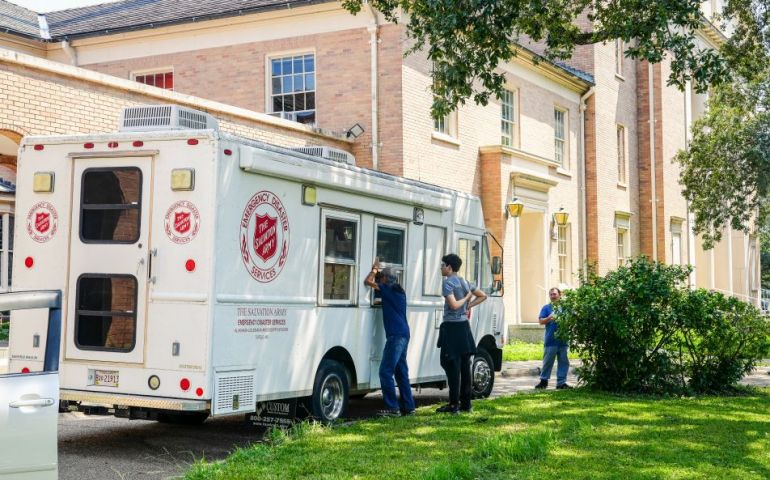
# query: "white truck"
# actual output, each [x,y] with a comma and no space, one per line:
[203,272]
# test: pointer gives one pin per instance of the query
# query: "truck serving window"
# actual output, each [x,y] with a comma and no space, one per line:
[106,312]
[340,258]
[111,205]
[390,250]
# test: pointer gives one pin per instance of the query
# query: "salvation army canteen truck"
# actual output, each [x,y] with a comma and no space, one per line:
[203,273]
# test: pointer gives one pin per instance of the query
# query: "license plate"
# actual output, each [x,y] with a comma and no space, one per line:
[104,378]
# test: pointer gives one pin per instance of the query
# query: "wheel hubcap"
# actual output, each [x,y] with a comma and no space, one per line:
[331,397]
[482,375]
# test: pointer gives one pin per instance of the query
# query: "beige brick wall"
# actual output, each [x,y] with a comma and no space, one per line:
[236,75]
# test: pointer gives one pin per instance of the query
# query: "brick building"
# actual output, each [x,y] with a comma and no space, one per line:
[573,137]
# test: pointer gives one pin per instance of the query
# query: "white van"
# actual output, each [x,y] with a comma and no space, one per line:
[203,272]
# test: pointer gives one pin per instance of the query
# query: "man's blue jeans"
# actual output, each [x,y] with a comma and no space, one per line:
[394,363]
[549,355]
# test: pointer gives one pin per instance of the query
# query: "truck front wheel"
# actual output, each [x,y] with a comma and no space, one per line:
[329,400]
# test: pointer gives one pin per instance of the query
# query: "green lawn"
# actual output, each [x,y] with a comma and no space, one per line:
[545,435]
[518,351]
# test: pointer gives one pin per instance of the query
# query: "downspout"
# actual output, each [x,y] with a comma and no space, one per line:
[374,42]
[582,214]
[70,51]
[654,193]
[690,234]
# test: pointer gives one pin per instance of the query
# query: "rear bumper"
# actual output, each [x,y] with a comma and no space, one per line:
[114,399]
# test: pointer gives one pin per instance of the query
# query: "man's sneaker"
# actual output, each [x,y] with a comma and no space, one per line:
[449,408]
[389,413]
[542,385]
[563,386]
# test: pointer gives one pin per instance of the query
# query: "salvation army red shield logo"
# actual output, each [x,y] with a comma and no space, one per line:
[183,221]
[264,236]
[42,222]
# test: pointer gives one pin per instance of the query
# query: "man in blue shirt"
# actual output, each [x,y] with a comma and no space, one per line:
[553,347]
[396,341]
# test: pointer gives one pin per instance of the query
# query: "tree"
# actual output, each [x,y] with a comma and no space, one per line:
[725,171]
[468,39]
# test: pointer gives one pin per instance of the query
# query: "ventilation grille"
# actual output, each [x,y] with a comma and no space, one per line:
[328,153]
[162,117]
[234,393]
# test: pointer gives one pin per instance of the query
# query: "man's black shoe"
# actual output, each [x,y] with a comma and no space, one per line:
[389,413]
[467,409]
[563,386]
[542,385]
[449,408]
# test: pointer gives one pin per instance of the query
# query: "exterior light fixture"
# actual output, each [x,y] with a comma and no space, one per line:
[561,217]
[418,216]
[308,195]
[514,208]
[42,182]
[183,179]
[355,131]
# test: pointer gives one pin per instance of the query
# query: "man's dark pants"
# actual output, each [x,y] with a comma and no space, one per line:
[394,363]
[458,374]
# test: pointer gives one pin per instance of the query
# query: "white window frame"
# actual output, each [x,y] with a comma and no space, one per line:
[563,142]
[154,71]
[513,122]
[351,217]
[269,79]
[464,267]
[619,57]
[676,232]
[427,265]
[754,261]
[622,154]
[622,237]
[402,267]
[563,253]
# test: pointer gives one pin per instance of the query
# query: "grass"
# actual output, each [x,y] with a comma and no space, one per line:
[517,351]
[544,435]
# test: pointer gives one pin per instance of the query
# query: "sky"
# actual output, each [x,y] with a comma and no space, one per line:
[42,6]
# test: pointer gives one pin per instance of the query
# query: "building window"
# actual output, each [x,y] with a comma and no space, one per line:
[621,134]
[676,242]
[446,125]
[163,79]
[340,255]
[560,136]
[619,57]
[622,235]
[563,251]
[622,229]
[292,88]
[509,131]
[754,264]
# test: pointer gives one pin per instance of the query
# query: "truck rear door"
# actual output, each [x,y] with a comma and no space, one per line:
[109,262]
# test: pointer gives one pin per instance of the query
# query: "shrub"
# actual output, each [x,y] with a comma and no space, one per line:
[641,329]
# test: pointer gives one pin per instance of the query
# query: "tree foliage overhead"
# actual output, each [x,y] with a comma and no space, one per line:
[726,169]
[468,39]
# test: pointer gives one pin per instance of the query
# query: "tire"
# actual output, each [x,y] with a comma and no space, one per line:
[183,418]
[482,374]
[329,400]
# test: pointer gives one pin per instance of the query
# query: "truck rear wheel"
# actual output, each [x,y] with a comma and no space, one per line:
[482,374]
[329,400]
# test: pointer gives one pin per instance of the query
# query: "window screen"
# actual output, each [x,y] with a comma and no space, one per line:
[340,250]
[111,205]
[106,312]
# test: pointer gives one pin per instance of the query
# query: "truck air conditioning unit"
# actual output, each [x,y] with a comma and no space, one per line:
[146,118]
[328,153]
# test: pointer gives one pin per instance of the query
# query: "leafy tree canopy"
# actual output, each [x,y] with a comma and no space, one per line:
[468,39]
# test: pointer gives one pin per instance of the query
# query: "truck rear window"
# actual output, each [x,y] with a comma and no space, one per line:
[111,204]
[106,312]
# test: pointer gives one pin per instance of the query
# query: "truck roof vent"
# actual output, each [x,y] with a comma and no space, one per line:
[328,153]
[145,118]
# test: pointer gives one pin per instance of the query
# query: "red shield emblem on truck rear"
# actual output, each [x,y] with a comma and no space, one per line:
[265,236]
[182,222]
[42,221]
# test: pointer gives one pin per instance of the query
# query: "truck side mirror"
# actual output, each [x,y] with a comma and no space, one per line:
[497,266]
